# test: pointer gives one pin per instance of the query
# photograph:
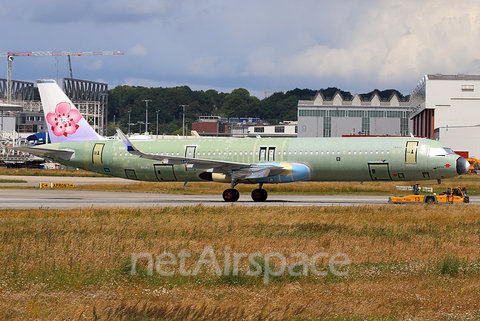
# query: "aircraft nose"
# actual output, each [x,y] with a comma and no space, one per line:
[462,166]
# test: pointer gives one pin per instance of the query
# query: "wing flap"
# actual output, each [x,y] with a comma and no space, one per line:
[257,171]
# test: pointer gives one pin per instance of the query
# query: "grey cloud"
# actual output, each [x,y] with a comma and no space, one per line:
[97,11]
[280,43]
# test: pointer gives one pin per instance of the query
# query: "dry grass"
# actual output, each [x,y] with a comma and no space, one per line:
[47,172]
[14,181]
[419,262]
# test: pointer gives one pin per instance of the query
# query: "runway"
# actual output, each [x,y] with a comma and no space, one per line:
[70,199]
[36,180]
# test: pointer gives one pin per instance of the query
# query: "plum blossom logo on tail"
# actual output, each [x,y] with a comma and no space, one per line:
[64,120]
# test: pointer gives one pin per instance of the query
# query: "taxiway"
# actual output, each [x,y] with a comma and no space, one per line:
[69,199]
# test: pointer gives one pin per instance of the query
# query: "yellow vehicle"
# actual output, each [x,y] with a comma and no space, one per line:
[474,165]
[455,194]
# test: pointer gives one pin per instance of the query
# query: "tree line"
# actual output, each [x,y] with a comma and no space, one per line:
[168,102]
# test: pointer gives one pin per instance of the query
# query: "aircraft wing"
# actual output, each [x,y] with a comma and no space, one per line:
[235,169]
[46,152]
[257,171]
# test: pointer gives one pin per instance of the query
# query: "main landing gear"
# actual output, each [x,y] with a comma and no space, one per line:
[259,195]
[232,195]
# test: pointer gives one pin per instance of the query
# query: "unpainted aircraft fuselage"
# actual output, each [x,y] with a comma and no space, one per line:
[328,159]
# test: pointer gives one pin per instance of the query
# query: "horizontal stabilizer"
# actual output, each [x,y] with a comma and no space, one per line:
[65,154]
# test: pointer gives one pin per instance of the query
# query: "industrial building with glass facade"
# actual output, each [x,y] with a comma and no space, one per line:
[339,117]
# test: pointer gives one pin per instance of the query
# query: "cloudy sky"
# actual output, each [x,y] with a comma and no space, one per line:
[254,44]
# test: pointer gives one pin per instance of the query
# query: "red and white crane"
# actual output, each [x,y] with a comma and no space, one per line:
[11,55]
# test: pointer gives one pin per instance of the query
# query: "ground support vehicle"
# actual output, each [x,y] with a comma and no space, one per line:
[455,194]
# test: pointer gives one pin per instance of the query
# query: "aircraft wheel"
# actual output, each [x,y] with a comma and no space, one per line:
[231,195]
[237,195]
[259,195]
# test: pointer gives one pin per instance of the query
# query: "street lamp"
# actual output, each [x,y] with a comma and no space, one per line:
[183,128]
[146,114]
[129,121]
[104,120]
[140,126]
[157,123]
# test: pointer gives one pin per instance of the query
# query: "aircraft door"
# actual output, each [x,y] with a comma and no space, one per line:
[263,154]
[379,172]
[164,172]
[267,154]
[411,153]
[190,152]
[271,154]
[130,173]
[97,154]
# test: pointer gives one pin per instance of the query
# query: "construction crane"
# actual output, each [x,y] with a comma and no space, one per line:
[11,55]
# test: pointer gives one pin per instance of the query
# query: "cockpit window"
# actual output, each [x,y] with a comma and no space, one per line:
[440,151]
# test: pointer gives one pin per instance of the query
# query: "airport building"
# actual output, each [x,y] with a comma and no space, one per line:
[447,108]
[283,129]
[217,126]
[337,117]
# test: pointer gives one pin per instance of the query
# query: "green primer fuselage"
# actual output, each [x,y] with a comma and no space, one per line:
[329,159]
